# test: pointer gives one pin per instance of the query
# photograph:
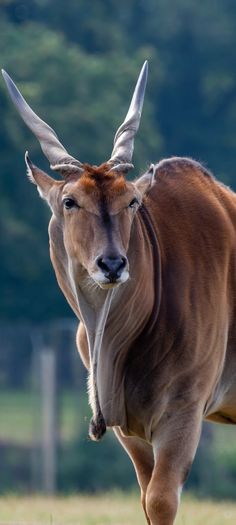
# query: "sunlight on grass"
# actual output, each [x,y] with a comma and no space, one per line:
[19,412]
[195,512]
[106,509]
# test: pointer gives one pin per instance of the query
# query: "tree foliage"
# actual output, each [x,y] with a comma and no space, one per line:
[76,63]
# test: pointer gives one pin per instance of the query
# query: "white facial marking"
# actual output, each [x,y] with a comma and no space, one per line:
[104,282]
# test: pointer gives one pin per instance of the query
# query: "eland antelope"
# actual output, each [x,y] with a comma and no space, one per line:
[149,268]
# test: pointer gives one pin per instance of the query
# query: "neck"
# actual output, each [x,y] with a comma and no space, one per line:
[114,318]
[130,312]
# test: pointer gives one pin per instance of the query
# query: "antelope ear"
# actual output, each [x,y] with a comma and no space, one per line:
[43,182]
[144,183]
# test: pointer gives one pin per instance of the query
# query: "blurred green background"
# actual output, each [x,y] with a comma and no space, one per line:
[76,62]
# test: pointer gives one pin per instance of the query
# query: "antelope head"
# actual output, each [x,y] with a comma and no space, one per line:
[93,206]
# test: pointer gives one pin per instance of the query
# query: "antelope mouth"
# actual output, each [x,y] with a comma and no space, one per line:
[107,283]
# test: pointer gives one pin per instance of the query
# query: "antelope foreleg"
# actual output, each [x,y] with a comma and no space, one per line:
[173,457]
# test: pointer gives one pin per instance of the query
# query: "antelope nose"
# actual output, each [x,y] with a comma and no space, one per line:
[112,267]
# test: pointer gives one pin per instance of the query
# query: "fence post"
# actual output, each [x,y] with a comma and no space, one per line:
[49,419]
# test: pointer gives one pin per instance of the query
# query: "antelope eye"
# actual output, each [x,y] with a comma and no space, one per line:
[69,203]
[133,202]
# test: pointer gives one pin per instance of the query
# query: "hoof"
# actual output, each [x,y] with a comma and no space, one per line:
[97,427]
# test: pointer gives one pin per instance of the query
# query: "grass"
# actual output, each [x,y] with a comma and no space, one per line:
[108,509]
[19,416]
[225,440]
[16,411]
[20,420]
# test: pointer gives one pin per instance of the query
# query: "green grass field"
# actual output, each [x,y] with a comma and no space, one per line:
[19,412]
[108,509]
[20,426]
[20,415]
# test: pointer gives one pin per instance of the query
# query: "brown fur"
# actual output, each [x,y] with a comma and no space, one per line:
[100,178]
[168,355]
